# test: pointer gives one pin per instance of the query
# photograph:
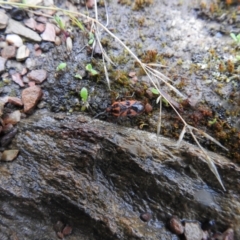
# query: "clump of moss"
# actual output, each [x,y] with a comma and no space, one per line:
[138,4]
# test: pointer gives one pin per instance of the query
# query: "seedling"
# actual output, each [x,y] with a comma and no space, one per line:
[90,69]
[235,37]
[61,66]
[91,38]
[212,122]
[84,97]
[78,76]
[59,22]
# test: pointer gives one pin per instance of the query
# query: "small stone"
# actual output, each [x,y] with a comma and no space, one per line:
[60,235]
[148,108]
[3,44]
[193,231]
[30,97]
[31,23]
[69,44]
[19,29]
[40,27]
[13,118]
[8,137]
[14,39]
[176,226]
[38,52]
[15,101]
[30,63]
[57,41]
[145,217]
[25,79]
[58,227]
[132,74]
[228,234]
[8,52]
[24,71]
[48,3]
[46,46]
[9,155]
[49,33]
[31,83]
[18,14]
[42,19]
[16,77]
[67,230]
[90,3]
[3,20]
[38,75]
[32,2]
[22,53]
[2,64]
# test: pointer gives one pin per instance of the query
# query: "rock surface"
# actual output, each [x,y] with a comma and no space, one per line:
[38,76]
[99,177]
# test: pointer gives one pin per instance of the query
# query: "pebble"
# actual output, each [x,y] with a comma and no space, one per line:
[13,64]
[31,23]
[90,3]
[176,226]
[9,155]
[19,29]
[145,217]
[8,52]
[15,101]
[69,44]
[228,234]
[42,19]
[18,14]
[58,227]
[193,231]
[67,230]
[148,108]
[14,39]
[2,64]
[13,118]
[30,63]
[22,53]
[30,97]
[46,46]
[33,2]
[48,3]
[7,138]
[40,27]
[3,20]
[49,33]
[57,41]
[38,75]
[3,44]
[16,77]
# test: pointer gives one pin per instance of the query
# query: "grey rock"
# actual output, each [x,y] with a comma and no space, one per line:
[2,64]
[3,20]
[98,177]
[38,76]
[49,33]
[20,29]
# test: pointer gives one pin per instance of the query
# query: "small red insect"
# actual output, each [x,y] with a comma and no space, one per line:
[128,108]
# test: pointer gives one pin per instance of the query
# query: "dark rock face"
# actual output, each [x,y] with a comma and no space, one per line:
[99,178]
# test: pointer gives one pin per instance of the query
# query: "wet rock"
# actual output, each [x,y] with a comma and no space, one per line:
[8,137]
[193,231]
[176,226]
[146,217]
[19,29]
[3,20]
[8,52]
[31,97]
[2,64]
[16,77]
[228,234]
[9,155]
[31,23]
[38,76]
[46,46]
[49,33]
[12,118]
[22,53]
[15,101]
[18,14]
[14,39]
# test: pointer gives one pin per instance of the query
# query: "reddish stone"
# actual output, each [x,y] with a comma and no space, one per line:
[38,76]
[40,27]
[15,101]
[176,226]
[16,77]
[30,97]
[67,230]
[8,52]
[31,23]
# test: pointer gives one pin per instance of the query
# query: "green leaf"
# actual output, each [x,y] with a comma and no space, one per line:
[238,57]
[59,22]
[61,66]
[84,94]
[89,67]
[90,42]
[212,122]
[233,36]
[94,72]
[154,90]
[78,76]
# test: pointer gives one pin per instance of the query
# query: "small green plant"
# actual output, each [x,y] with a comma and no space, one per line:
[84,97]
[212,122]
[235,37]
[91,38]
[78,76]
[90,69]
[61,66]
[59,22]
